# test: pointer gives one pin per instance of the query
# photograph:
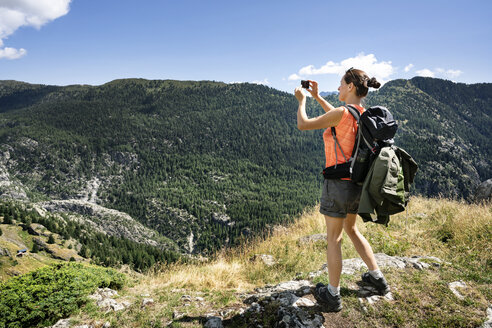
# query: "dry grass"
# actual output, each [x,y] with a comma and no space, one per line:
[235,269]
[421,231]
[456,232]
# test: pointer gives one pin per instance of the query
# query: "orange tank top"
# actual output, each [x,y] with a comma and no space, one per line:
[346,131]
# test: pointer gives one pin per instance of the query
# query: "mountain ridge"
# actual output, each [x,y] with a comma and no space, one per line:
[185,153]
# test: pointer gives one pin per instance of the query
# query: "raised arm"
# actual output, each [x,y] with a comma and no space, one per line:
[331,118]
[314,92]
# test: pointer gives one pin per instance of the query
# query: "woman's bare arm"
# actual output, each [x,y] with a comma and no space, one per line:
[326,105]
[314,92]
[331,118]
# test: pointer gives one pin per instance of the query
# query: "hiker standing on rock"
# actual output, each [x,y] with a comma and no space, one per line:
[340,197]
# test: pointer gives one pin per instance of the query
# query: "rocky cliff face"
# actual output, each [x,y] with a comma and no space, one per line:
[108,221]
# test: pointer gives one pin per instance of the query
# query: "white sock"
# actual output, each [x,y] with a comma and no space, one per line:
[334,291]
[376,273]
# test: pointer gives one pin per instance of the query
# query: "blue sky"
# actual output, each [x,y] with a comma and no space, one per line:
[275,43]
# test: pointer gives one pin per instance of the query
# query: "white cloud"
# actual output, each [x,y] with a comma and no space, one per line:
[264,82]
[454,73]
[449,73]
[368,63]
[426,73]
[441,72]
[293,77]
[11,53]
[408,67]
[18,13]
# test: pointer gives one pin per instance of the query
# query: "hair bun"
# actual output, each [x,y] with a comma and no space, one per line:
[373,83]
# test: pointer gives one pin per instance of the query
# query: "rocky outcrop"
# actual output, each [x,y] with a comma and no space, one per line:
[282,305]
[267,259]
[488,322]
[104,298]
[4,252]
[350,266]
[112,222]
[8,188]
[484,191]
[291,303]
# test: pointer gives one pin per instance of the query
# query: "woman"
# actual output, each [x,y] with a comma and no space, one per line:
[340,197]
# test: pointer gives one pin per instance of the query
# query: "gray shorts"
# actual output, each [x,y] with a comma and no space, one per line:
[339,197]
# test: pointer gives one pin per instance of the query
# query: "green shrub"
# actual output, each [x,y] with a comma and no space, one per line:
[51,239]
[7,219]
[42,297]
[35,248]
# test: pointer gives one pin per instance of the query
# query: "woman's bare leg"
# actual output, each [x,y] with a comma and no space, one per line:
[334,230]
[362,246]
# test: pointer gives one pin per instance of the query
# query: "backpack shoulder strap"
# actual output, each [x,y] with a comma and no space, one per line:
[355,113]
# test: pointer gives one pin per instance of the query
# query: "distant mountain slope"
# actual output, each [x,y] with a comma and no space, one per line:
[204,163]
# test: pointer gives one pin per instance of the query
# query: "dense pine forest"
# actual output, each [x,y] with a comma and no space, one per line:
[206,164]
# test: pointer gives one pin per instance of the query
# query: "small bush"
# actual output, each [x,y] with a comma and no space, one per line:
[51,239]
[44,296]
[35,248]
[7,219]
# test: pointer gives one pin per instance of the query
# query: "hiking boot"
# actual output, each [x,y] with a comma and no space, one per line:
[380,284]
[323,296]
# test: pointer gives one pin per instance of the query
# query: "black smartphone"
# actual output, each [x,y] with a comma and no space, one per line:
[305,84]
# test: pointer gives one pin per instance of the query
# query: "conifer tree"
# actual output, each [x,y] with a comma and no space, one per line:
[7,219]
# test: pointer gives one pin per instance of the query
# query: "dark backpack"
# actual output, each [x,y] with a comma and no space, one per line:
[375,129]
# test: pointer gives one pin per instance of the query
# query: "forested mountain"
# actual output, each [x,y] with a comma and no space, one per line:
[204,163]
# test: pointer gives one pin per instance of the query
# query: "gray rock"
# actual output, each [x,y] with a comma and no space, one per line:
[453,286]
[293,285]
[220,217]
[290,307]
[306,302]
[186,298]
[312,238]
[125,158]
[178,315]
[62,323]
[294,317]
[108,221]
[147,301]
[287,298]
[4,252]
[352,266]
[107,292]
[268,260]
[108,303]
[484,191]
[226,312]
[213,322]
[488,323]
[362,305]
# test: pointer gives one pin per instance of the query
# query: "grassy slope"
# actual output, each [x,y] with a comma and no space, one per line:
[14,238]
[457,233]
